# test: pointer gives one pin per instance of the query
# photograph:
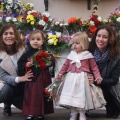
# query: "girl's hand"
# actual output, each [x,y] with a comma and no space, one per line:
[26,77]
[91,78]
[59,77]
[99,80]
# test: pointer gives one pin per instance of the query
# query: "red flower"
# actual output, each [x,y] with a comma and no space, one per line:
[93,17]
[45,19]
[46,92]
[34,14]
[42,59]
[96,22]
[92,28]
[38,27]
[80,22]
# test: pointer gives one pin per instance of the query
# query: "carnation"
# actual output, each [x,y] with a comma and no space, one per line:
[50,41]
[118,19]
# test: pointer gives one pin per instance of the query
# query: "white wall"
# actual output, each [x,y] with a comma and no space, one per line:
[64,9]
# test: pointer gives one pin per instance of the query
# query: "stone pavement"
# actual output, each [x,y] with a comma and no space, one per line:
[60,114]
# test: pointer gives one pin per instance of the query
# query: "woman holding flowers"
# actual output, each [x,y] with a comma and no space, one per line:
[38,61]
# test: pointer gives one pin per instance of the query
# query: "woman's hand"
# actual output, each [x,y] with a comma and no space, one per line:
[26,77]
[91,78]
[29,63]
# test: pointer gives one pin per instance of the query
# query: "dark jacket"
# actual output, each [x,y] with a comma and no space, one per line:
[111,78]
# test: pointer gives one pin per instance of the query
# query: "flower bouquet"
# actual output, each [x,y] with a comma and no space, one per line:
[74,25]
[52,90]
[55,42]
[41,59]
[114,20]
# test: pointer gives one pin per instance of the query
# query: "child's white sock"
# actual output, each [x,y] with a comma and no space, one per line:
[73,114]
[82,115]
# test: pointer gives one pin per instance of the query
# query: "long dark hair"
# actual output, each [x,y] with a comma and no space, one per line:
[112,43]
[18,41]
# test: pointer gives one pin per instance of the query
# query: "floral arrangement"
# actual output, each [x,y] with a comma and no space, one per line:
[55,42]
[41,59]
[94,21]
[114,20]
[74,25]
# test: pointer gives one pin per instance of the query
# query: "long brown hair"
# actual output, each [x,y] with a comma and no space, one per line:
[18,41]
[114,49]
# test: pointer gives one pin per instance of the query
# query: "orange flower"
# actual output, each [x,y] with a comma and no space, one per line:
[72,20]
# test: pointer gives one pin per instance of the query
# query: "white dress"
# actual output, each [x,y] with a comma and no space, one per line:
[76,91]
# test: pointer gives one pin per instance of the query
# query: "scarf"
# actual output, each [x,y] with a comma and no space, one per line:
[101,58]
[76,58]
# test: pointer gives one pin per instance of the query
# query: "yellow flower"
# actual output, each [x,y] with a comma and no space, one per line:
[1,7]
[32,22]
[105,20]
[54,38]
[30,19]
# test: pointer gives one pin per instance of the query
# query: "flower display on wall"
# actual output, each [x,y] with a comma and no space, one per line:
[59,33]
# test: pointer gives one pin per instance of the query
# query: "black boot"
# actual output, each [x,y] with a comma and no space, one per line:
[7,111]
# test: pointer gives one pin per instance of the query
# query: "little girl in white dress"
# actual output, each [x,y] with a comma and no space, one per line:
[77,94]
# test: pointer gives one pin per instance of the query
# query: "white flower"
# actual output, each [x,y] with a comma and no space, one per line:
[7,7]
[65,24]
[31,5]
[92,23]
[41,22]
[9,1]
[49,33]
[50,19]
[58,34]
[46,14]
[0,19]
[118,19]
[100,19]
[8,19]
[61,24]
[33,11]
[29,12]
[57,23]
[14,19]
[50,41]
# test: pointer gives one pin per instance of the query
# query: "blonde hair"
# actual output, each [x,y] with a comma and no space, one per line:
[83,38]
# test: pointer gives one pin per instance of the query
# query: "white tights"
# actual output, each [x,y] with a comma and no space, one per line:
[74,114]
